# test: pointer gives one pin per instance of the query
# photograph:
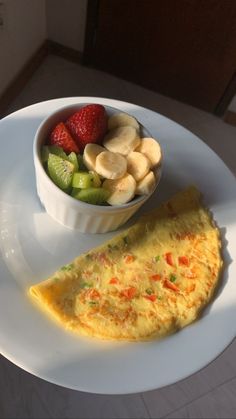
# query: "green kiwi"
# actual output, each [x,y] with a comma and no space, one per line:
[82,180]
[82,166]
[44,154]
[96,196]
[96,179]
[75,192]
[72,157]
[53,149]
[58,151]
[60,171]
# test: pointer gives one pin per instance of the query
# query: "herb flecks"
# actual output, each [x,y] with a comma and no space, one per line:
[93,303]
[67,267]
[149,291]
[112,247]
[126,240]
[85,285]
[172,278]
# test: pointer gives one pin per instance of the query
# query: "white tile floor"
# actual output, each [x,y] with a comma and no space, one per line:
[210,393]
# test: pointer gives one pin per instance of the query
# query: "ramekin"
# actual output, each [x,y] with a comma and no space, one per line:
[68,211]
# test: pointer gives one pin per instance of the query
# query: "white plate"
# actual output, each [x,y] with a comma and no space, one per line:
[33,246]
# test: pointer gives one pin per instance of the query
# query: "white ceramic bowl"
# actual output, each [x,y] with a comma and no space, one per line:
[70,212]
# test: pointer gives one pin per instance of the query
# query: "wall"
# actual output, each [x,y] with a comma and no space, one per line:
[23,34]
[29,22]
[66,20]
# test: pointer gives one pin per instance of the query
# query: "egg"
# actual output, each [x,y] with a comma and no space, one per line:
[145,283]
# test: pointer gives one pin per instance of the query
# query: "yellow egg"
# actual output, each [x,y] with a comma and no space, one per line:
[147,282]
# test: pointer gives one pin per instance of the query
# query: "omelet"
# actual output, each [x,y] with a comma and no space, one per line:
[145,283]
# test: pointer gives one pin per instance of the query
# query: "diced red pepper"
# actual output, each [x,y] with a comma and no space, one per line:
[169,259]
[190,275]
[155,277]
[129,258]
[190,289]
[170,285]
[93,294]
[183,260]
[151,297]
[103,259]
[113,281]
[129,293]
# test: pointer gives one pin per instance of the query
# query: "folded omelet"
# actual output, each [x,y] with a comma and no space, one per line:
[147,282]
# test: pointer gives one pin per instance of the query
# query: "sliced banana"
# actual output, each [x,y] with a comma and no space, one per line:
[122,119]
[122,190]
[138,165]
[111,165]
[146,185]
[91,152]
[122,140]
[151,148]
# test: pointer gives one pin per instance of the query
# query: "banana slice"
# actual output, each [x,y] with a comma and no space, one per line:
[146,185]
[110,165]
[91,152]
[122,140]
[151,148]
[138,165]
[122,119]
[122,190]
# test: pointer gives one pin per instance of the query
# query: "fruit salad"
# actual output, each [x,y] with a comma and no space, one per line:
[101,159]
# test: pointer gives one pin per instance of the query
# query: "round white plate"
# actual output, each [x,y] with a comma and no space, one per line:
[32,246]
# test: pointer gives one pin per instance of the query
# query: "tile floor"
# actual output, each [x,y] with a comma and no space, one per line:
[210,393]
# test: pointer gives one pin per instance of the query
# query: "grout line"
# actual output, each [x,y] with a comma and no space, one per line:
[146,406]
[198,398]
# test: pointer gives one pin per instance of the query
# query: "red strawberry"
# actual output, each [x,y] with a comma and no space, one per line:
[61,137]
[88,125]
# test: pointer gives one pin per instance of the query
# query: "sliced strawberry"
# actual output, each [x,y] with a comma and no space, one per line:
[88,125]
[61,137]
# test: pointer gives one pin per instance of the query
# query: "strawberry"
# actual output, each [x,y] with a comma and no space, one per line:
[61,137]
[88,125]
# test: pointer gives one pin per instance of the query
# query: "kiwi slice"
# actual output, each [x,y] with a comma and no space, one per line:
[58,151]
[82,166]
[60,171]
[44,154]
[46,149]
[82,180]
[74,192]
[72,157]
[96,179]
[96,196]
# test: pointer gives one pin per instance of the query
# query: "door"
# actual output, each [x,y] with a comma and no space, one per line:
[185,49]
